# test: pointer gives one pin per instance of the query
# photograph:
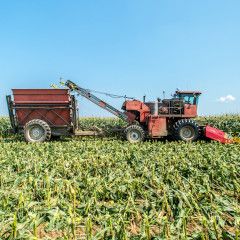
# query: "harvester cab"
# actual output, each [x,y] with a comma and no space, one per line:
[183,103]
[188,97]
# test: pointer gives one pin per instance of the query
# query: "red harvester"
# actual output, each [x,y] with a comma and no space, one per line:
[44,113]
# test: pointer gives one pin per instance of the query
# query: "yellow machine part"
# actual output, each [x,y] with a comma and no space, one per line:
[236,140]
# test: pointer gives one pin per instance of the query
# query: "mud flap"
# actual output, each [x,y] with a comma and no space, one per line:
[216,135]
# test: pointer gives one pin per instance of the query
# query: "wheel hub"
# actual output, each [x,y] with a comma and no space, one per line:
[187,132]
[135,136]
[36,132]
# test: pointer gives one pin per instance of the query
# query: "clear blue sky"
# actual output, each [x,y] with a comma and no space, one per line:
[132,47]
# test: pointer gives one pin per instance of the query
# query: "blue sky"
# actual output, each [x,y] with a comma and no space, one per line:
[132,47]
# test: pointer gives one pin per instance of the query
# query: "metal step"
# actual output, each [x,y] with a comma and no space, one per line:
[87,133]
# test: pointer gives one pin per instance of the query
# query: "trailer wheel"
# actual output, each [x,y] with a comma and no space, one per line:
[37,131]
[186,130]
[134,134]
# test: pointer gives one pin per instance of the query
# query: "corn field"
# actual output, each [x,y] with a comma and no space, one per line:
[106,188]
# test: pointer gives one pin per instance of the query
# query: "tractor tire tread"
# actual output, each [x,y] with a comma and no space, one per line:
[184,122]
[42,123]
[135,127]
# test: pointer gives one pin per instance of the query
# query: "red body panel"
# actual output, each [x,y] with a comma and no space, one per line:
[157,126]
[216,134]
[138,106]
[42,96]
[190,111]
[51,105]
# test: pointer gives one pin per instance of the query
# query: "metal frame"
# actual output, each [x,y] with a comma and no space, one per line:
[35,109]
[87,94]
[11,113]
[74,113]
[170,107]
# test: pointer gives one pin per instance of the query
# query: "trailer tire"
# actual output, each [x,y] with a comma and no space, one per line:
[134,133]
[37,130]
[186,130]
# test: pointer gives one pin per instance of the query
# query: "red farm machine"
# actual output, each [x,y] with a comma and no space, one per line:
[42,114]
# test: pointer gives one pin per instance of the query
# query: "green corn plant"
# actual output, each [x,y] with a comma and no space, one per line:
[89,228]
[107,188]
[14,227]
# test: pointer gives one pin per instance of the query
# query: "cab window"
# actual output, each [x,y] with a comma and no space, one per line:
[189,99]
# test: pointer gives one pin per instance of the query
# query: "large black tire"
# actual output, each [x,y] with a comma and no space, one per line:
[134,133]
[37,130]
[186,130]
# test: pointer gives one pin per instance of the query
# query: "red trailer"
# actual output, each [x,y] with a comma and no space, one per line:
[42,114]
